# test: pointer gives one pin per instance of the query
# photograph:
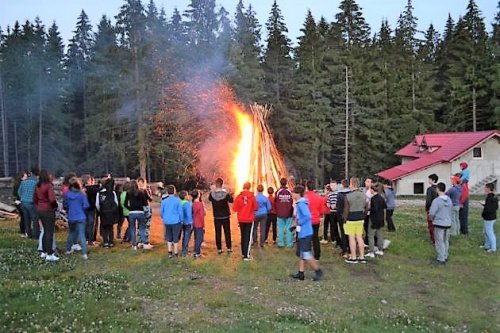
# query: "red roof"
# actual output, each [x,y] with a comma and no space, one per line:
[430,149]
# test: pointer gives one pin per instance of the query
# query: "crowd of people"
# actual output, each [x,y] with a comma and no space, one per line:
[353,217]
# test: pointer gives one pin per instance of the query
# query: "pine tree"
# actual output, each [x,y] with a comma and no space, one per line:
[245,55]
[77,61]
[495,70]
[277,65]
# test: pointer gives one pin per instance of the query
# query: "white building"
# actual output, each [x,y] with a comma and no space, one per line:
[442,153]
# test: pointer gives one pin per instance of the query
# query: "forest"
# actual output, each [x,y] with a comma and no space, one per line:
[128,97]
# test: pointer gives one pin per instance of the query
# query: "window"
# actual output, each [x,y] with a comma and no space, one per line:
[418,188]
[477,152]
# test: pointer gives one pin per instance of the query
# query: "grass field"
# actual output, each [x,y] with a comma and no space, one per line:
[120,290]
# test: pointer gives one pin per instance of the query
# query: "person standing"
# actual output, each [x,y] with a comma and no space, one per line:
[315,207]
[75,202]
[220,200]
[305,234]
[148,213]
[390,198]
[368,194]
[377,209]
[135,200]
[91,189]
[187,221]
[271,216]
[107,206]
[463,213]
[489,216]
[284,213]
[45,202]
[199,212]
[430,195]
[171,214]
[341,195]
[264,207]
[26,192]
[125,214]
[245,206]
[331,220]
[454,193]
[440,214]
[355,209]
[17,201]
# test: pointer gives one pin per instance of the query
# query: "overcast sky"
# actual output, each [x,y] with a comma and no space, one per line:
[65,12]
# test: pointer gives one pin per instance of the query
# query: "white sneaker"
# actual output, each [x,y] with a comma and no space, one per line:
[140,245]
[76,247]
[370,255]
[69,252]
[134,248]
[85,257]
[43,255]
[324,241]
[386,243]
[147,246]
[379,253]
[52,257]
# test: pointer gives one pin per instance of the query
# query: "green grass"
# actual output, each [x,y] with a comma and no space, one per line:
[122,291]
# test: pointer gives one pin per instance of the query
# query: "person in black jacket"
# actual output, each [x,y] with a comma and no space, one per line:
[220,200]
[377,214]
[489,215]
[430,195]
[341,194]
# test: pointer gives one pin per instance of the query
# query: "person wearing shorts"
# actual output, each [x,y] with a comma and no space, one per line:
[304,229]
[355,209]
[171,214]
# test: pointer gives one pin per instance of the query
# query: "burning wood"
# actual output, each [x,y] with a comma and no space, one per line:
[258,160]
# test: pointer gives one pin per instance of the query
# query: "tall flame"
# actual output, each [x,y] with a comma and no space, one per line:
[243,156]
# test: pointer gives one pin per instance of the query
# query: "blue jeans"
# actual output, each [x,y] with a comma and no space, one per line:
[90,225]
[186,228]
[490,240]
[284,225]
[30,220]
[139,217]
[40,242]
[77,233]
[198,239]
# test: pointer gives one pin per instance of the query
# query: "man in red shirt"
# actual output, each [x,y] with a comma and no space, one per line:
[316,203]
[245,206]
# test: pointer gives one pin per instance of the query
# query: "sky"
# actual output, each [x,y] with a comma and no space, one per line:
[65,12]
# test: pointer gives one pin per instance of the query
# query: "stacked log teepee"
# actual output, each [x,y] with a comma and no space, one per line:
[268,165]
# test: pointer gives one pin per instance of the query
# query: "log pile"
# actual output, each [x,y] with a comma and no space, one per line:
[268,166]
[8,211]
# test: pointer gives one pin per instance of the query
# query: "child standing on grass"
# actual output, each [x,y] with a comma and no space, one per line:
[355,209]
[305,234]
[489,215]
[187,221]
[245,206]
[75,202]
[271,216]
[171,214]
[390,198]
[440,214]
[261,216]
[377,209]
[430,195]
[135,201]
[199,212]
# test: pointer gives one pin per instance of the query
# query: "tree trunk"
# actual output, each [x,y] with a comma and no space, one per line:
[346,172]
[16,151]
[474,114]
[5,144]
[141,137]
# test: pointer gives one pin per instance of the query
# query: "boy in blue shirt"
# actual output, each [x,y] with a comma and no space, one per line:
[304,230]
[171,214]
[187,221]
[261,216]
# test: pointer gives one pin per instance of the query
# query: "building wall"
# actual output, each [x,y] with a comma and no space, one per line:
[404,186]
[481,168]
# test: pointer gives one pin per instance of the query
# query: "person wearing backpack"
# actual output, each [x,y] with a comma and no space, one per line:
[107,206]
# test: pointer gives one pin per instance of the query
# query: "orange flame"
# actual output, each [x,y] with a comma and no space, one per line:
[243,155]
